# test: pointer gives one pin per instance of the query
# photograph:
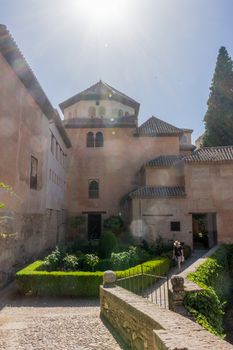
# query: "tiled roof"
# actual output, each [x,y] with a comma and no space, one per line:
[211,154]
[98,91]
[164,161]
[156,127]
[158,192]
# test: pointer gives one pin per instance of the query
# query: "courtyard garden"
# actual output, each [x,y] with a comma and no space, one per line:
[77,268]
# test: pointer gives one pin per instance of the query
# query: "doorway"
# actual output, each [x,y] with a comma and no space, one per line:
[204,230]
[94,226]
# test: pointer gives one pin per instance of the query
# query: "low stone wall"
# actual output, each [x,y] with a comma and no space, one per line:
[144,325]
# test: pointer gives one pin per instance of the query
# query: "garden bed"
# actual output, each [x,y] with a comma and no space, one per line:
[32,280]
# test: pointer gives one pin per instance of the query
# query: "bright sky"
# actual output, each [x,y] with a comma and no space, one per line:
[162,53]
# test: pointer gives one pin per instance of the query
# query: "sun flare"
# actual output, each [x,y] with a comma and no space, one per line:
[102,11]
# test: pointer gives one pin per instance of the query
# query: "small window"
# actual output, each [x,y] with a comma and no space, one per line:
[175,225]
[97,103]
[70,115]
[33,173]
[93,189]
[102,111]
[126,114]
[52,143]
[90,139]
[99,139]
[91,111]
[120,113]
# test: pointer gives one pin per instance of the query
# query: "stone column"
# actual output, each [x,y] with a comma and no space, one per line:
[177,294]
[109,279]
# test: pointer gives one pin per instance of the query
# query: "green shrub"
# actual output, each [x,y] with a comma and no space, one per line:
[107,244]
[31,280]
[70,263]
[90,261]
[207,306]
[104,265]
[54,260]
[114,224]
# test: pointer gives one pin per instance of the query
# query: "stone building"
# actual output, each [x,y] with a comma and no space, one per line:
[96,163]
[33,148]
[109,149]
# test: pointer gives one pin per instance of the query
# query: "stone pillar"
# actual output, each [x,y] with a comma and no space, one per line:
[109,279]
[177,294]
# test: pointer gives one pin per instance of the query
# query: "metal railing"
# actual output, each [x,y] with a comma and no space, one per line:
[151,286]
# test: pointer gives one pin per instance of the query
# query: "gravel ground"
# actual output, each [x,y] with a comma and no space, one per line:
[40,323]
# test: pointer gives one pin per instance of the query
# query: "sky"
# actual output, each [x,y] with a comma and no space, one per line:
[162,53]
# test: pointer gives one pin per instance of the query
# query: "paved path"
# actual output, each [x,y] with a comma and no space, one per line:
[47,324]
[158,293]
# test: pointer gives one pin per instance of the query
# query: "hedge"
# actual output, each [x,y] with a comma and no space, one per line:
[214,278]
[31,280]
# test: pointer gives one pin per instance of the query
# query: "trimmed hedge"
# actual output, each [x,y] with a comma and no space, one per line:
[31,280]
[208,305]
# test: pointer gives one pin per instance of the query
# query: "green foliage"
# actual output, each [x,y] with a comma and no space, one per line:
[107,244]
[54,260]
[207,306]
[158,247]
[5,188]
[32,280]
[70,263]
[89,262]
[114,224]
[126,259]
[219,116]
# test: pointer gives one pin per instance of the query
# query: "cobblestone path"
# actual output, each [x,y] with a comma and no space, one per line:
[48,324]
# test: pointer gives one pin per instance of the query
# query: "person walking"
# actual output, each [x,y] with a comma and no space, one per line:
[178,254]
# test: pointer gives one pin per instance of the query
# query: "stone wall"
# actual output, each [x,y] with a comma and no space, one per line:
[144,325]
[31,235]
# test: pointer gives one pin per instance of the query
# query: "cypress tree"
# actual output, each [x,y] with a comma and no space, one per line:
[219,116]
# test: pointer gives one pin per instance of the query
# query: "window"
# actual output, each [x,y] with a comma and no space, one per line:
[93,189]
[126,114]
[102,111]
[33,173]
[99,139]
[120,113]
[52,143]
[90,139]
[183,139]
[70,115]
[97,103]
[175,225]
[91,111]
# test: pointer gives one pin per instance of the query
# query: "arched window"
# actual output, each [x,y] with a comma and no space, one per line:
[120,113]
[99,139]
[90,139]
[93,190]
[91,111]
[102,111]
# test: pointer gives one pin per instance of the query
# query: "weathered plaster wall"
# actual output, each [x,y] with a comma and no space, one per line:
[152,218]
[80,109]
[144,325]
[116,166]
[209,189]
[167,176]
[27,229]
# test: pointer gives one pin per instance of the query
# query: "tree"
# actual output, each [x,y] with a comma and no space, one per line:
[219,116]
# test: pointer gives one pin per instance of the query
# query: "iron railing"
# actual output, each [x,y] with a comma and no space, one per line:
[149,285]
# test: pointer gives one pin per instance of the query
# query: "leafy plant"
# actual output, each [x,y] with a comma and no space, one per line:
[107,243]
[113,223]
[208,305]
[70,263]
[90,261]
[54,260]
